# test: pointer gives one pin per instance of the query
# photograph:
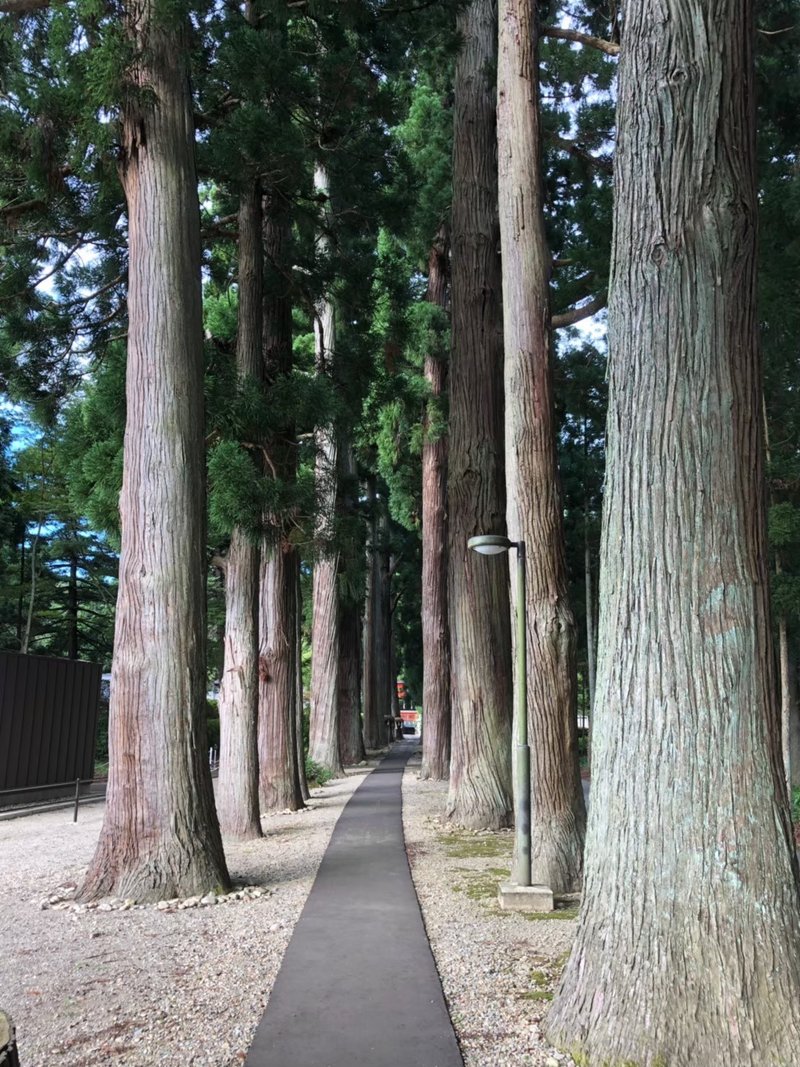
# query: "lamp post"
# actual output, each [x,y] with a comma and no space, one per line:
[494,545]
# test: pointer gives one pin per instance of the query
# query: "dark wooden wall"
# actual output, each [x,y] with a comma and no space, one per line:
[48,720]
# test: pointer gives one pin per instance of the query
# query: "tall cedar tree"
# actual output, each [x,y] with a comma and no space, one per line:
[279,648]
[376,672]
[435,621]
[237,787]
[690,869]
[351,740]
[535,513]
[480,626]
[160,836]
[323,740]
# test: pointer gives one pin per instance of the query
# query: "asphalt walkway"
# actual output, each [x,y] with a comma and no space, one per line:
[358,986]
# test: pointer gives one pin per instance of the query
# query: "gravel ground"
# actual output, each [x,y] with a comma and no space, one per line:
[183,987]
[498,969]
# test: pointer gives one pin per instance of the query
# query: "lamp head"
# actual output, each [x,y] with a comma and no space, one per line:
[490,544]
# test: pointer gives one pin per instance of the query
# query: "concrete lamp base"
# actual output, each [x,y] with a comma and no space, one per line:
[525,897]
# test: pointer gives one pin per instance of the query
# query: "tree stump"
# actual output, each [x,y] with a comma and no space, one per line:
[8,1042]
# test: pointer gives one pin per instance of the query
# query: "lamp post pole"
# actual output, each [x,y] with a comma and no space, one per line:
[493,545]
[521,869]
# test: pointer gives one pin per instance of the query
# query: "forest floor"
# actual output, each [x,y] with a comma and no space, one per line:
[498,969]
[138,986]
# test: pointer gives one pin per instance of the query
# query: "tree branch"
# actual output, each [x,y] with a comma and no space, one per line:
[22,7]
[609,47]
[578,314]
[20,207]
[600,162]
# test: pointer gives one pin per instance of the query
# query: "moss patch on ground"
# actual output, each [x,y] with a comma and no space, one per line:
[477,846]
[563,914]
[478,885]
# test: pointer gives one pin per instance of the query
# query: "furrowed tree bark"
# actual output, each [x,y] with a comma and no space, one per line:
[558,811]
[394,696]
[301,745]
[281,785]
[786,699]
[382,624]
[351,742]
[323,741]
[480,627]
[237,783]
[794,716]
[160,836]
[280,780]
[590,653]
[688,947]
[435,623]
[373,716]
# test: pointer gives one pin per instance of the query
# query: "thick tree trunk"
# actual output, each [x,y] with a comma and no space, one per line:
[323,740]
[480,625]
[373,722]
[237,784]
[688,948]
[394,696]
[587,568]
[277,739]
[377,628]
[160,836]
[558,811]
[435,624]
[301,745]
[794,717]
[790,710]
[280,784]
[382,627]
[351,744]
[588,585]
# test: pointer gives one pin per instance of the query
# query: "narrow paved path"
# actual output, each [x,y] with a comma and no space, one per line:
[358,986]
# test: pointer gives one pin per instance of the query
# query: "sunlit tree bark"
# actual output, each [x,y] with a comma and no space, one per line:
[480,627]
[688,948]
[558,812]
[237,783]
[160,836]
[435,623]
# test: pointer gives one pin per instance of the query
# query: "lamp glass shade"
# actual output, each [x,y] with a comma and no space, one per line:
[489,544]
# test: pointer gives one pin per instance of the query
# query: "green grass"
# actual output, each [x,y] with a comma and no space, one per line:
[796,806]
